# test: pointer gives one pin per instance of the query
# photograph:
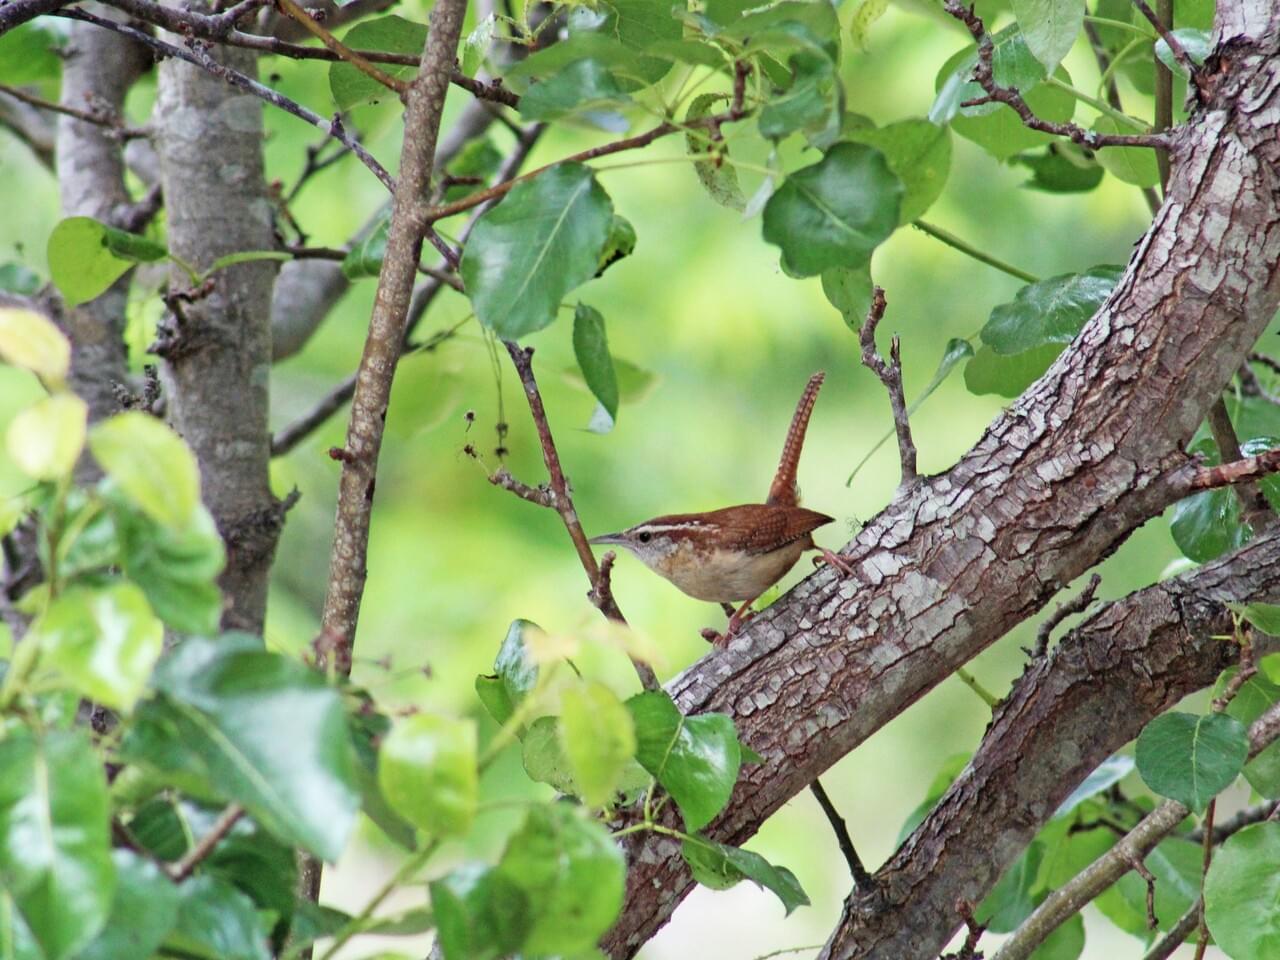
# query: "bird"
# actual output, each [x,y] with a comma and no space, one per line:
[734,554]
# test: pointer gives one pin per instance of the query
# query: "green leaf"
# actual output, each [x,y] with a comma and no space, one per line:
[1176,865]
[543,756]
[176,568]
[479,159]
[514,676]
[1197,44]
[540,242]
[427,771]
[1191,758]
[55,852]
[1065,943]
[1242,894]
[580,89]
[481,915]
[45,439]
[989,372]
[919,154]
[849,289]
[1208,524]
[262,729]
[1253,699]
[591,347]
[572,874]
[150,464]
[620,243]
[33,342]
[695,758]
[1049,311]
[104,640]
[1011,900]
[368,727]
[716,174]
[364,259]
[143,911]
[1049,27]
[599,740]
[1135,165]
[835,212]
[255,863]
[813,100]
[865,14]
[390,34]
[1062,168]
[86,257]
[32,52]
[951,768]
[640,25]
[720,866]
[475,49]
[216,922]
[1110,771]
[1263,616]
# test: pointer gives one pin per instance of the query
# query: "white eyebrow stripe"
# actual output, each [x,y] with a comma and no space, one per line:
[669,527]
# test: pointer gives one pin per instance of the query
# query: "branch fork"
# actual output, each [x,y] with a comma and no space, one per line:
[890,375]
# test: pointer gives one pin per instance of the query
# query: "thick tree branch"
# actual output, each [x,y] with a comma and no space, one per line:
[424,105]
[1060,479]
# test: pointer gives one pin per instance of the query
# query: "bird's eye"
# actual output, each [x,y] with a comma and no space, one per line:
[644,537]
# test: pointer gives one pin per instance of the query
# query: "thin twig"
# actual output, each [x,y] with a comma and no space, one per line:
[88,116]
[1227,474]
[984,75]
[1207,848]
[890,375]
[340,49]
[542,495]
[1163,24]
[862,880]
[1257,512]
[969,250]
[1064,610]
[1149,878]
[1237,822]
[522,359]
[196,855]
[1177,935]
[201,59]
[1163,87]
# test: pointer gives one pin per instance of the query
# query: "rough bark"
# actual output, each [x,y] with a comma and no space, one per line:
[217,350]
[1128,663]
[1057,483]
[97,72]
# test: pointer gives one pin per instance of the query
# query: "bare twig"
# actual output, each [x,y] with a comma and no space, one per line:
[1177,935]
[542,495]
[1237,470]
[1149,878]
[1207,848]
[1163,87]
[1237,822]
[862,880]
[197,854]
[890,375]
[1163,24]
[88,116]
[198,57]
[17,12]
[985,77]
[340,49]
[1064,610]
[562,500]
[1068,899]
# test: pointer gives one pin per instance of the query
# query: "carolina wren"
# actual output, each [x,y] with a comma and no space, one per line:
[737,553]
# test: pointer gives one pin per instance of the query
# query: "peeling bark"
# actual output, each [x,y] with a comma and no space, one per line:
[1058,481]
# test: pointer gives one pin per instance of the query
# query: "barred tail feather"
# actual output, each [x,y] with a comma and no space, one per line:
[784,490]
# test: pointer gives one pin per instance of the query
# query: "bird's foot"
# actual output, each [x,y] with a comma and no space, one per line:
[833,559]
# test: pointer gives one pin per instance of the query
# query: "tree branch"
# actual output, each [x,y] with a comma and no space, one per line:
[183,868]
[1163,26]
[561,500]
[862,880]
[890,375]
[1064,610]
[112,123]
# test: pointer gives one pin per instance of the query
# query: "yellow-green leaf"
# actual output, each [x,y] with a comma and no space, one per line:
[46,438]
[151,464]
[31,341]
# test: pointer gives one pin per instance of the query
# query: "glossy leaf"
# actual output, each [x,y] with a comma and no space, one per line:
[481,914]
[695,758]
[579,90]
[143,910]
[1242,894]
[1197,44]
[1008,376]
[599,740]
[55,852]
[475,49]
[427,771]
[150,464]
[1263,616]
[717,175]
[261,729]
[364,259]
[104,640]
[812,101]
[86,257]
[1048,311]
[848,289]
[514,676]
[591,348]
[390,34]
[572,874]
[45,439]
[1191,758]
[620,243]
[1110,771]
[543,240]
[1061,169]
[1049,27]
[1254,697]
[720,866]
[32,341]
[919,154]
[835,212]
[1208,524]
[215,922]
[1135,165]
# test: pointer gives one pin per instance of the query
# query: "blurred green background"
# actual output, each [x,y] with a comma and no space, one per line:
[730,340]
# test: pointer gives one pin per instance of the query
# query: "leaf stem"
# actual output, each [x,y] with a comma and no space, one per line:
[970,681]
[1100,105]
[951,240]
[1119,25]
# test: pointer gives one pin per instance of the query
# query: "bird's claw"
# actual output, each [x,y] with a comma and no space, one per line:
[833,559]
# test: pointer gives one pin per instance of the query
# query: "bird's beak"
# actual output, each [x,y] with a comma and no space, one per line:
[610,538]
